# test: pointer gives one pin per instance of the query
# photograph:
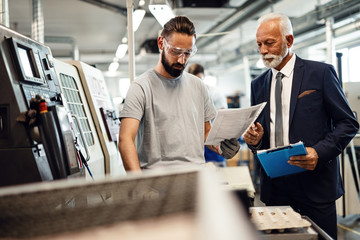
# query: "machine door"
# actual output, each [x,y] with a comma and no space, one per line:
[76,104]
[98,97]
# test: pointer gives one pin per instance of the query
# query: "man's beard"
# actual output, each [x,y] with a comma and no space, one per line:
[276,59]
[170,68]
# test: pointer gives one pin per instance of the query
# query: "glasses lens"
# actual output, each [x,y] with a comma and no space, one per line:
[193,50]
[178,52]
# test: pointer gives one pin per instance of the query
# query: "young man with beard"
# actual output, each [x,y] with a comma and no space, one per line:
[168,110]
[313,110]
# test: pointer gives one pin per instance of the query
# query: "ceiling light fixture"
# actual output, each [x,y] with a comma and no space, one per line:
[141,3]
[121,50]
[161,11]
[137,18]
[113,67]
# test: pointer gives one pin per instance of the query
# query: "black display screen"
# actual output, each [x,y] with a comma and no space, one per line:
[27,60]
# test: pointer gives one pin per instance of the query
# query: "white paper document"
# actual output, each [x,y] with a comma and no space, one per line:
[232,123]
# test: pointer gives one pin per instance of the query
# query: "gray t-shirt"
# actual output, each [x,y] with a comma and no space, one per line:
[172,113]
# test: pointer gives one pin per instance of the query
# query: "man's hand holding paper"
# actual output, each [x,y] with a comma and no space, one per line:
[229,125]
[232,123]
[254,134]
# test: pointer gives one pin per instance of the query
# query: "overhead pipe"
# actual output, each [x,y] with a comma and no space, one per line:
[301,26]
[242,14]
[37,25]
[131,41]
[338,9]
[108,6]
[341,31]
[247,49]
[67,40]
[330,44]
[4,11]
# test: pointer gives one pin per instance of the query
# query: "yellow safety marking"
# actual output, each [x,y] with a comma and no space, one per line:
[349,229]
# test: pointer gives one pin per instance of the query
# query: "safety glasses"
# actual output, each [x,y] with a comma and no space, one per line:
[179,52]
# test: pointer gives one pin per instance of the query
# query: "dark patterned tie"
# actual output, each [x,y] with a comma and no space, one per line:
[278,108]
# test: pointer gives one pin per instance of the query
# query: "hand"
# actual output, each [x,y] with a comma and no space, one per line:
[308,161]
[229,147]
[254,134]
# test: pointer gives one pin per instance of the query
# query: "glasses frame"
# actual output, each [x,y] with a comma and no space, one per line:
[179,52]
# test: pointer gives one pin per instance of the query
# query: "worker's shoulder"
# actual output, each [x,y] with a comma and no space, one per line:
[192,77]
[262,76]
[145,76]
[192,81]
[315,63]
[312,64]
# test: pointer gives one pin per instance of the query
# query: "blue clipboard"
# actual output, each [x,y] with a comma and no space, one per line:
[274,161]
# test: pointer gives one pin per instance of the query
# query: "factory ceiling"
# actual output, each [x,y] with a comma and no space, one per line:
[91,30]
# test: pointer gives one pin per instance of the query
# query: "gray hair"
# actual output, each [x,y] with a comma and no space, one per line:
[284,22]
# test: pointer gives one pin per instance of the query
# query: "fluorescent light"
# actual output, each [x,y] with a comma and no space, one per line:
[141,3]
[161,11]
[121,50]
[137,18]
[113,66]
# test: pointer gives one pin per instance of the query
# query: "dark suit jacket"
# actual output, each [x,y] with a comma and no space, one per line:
[320,116]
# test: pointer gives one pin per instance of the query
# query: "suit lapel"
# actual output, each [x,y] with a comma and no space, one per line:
[297,80]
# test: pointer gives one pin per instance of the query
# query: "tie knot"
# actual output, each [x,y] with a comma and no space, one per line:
[279,76]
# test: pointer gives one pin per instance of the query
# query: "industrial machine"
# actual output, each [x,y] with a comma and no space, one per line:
[349,203]
[76,103]
[106,122]
[37,142]
[188,202]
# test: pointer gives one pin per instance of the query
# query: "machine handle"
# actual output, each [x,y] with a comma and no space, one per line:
[82,136]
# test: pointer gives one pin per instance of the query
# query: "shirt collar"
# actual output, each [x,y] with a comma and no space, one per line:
[287,69]
[168,79]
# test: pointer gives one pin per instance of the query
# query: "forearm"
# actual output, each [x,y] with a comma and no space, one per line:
[214,148]
[345,125]
[129,155]
[227,148]
[334,143]
[255,147]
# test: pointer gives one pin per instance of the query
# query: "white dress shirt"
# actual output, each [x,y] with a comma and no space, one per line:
[288,71]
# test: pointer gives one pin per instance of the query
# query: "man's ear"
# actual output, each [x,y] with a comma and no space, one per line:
[289,40]
[160,42]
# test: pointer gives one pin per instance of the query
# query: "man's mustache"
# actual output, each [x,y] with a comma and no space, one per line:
[178,65]
[269,56]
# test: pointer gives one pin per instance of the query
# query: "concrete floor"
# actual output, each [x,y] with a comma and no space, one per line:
[349,227]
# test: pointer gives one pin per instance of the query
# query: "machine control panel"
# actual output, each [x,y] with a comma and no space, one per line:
[34,64]
[35,144]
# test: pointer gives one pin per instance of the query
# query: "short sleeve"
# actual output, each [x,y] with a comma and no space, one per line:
[134,102]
